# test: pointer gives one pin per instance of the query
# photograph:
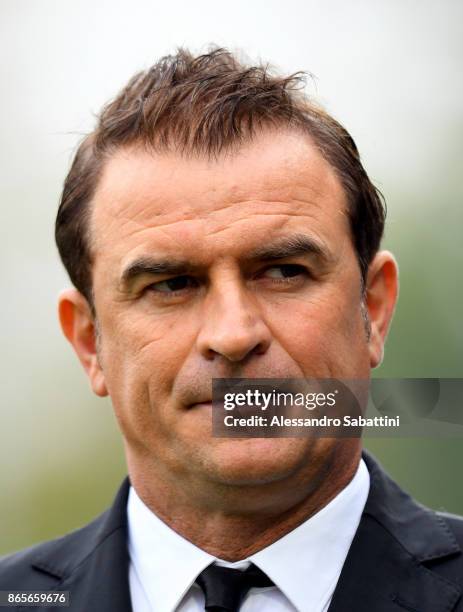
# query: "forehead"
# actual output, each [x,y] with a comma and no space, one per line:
[275,183]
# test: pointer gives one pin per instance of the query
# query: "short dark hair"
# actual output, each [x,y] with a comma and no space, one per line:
[203,105]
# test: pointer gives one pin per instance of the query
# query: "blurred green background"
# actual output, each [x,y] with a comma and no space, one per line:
[390,71]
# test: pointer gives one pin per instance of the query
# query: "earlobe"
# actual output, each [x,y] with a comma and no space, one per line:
[78,326]
[381,297]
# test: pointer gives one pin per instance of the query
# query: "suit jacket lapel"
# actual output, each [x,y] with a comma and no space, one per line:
[384,569]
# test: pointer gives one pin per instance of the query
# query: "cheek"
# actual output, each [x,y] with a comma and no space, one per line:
[324,336]
[141,356]
[139,380]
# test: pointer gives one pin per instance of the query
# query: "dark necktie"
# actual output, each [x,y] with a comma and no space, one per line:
[225,588]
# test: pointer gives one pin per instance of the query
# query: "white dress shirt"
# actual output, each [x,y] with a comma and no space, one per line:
[304,565]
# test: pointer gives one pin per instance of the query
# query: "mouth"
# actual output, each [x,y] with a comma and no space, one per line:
[202,404]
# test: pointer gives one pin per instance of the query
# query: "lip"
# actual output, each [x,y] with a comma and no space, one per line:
[206,403]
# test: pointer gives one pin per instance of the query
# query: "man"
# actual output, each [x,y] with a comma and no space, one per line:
[218,224]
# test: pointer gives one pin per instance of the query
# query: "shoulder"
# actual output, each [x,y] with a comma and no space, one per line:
[16,570]
[453,520]
[55,558]
[47,564]
[428,535]
[454,523]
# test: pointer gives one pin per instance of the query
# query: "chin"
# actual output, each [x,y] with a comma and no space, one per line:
[249,461]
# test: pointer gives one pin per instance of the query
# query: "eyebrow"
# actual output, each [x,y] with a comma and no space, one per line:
[292,246]
[148,265]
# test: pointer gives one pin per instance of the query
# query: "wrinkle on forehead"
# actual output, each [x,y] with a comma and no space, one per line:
[245,215]
[216,223]
[155,208]
[141,192]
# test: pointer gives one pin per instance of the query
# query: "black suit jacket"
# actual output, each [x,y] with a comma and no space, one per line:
[404,557]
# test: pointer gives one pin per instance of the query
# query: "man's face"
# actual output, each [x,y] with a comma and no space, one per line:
[239,267]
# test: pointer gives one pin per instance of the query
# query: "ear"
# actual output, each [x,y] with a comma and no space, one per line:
[381,296]
[78,325]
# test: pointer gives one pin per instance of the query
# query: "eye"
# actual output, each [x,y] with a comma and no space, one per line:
[285,272]
[173,285]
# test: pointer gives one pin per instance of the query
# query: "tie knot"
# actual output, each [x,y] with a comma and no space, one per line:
[225,588]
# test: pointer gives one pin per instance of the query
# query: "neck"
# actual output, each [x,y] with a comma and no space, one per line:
[232,523]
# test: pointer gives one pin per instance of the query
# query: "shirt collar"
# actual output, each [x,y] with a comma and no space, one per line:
[304,564]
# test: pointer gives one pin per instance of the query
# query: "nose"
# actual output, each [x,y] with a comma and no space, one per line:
[232,325]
